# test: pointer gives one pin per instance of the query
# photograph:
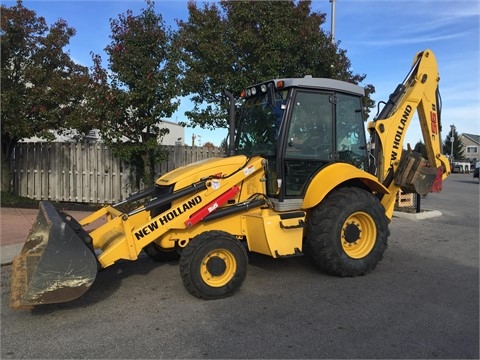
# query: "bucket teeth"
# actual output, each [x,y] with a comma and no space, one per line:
[19,283]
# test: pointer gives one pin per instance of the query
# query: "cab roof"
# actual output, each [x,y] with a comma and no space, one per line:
[322,83]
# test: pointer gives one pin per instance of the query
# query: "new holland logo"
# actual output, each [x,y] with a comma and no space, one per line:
[172,214]
[399,133]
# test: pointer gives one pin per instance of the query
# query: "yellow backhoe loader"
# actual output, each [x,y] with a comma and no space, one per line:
[299,177]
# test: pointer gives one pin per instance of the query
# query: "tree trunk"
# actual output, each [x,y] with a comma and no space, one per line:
[6,171]
[6,174]
[148,168]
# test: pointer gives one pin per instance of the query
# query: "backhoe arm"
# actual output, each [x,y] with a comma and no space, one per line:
[397,168]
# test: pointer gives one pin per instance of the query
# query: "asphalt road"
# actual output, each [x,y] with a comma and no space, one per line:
[422,301]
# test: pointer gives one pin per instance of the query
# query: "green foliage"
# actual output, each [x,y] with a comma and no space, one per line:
[458,151]
[223,45]
[138,89]
[224,145]
[238,43]
[8,199]
[42,88]
[420,148]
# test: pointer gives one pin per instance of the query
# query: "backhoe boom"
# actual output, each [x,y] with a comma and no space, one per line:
[395,167]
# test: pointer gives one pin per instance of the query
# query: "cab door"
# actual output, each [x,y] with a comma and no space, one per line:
[310,135]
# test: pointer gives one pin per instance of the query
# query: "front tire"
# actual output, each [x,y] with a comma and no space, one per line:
[347,232]
[213,265]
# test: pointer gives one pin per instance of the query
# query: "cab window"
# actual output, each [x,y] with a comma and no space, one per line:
[350,131]
[310,132]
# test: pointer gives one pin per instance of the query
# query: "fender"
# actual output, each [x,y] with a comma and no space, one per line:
[333,175]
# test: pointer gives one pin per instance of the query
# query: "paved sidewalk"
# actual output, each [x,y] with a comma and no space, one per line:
[15,224]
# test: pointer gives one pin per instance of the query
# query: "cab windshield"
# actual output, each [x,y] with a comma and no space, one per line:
[259,124]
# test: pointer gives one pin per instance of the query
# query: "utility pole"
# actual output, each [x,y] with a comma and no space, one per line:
[452,127]
[332,22]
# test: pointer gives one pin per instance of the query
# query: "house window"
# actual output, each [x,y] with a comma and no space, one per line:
[472,149]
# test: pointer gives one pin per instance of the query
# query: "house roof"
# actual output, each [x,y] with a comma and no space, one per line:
[472,137]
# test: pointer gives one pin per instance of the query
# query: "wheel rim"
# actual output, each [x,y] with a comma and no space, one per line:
[218,267]
[359,234]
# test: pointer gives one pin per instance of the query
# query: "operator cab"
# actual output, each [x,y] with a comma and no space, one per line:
[301,125]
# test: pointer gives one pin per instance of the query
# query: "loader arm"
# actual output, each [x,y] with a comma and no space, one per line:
[397,168]
[124,236]
[59,260]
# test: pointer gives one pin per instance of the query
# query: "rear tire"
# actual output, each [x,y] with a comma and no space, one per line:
[157,253]
[347,232]
[213,265]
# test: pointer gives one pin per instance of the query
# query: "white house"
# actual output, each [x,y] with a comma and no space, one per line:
[176,136]
[471,147]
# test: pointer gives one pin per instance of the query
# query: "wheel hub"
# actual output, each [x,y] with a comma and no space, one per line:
[352,233]
[216,266]
[359,234]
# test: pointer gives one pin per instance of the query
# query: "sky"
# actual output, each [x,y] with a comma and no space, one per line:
[381,38]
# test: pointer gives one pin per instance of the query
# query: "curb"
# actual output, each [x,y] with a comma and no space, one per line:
[425,214]
[9,252]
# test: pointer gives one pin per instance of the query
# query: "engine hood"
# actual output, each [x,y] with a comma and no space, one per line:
[189,174]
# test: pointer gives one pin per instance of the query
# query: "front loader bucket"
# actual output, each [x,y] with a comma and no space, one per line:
[56,264]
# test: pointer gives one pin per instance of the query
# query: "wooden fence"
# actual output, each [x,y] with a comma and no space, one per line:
[85,172]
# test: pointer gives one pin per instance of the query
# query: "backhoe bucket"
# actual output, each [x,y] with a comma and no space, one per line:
[414,176]
[56,264]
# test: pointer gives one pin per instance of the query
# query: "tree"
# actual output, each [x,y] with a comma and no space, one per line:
[239,43]
[420,148]
[42,88]
[224,145]
[458,151]
[209,145]
[138,89]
